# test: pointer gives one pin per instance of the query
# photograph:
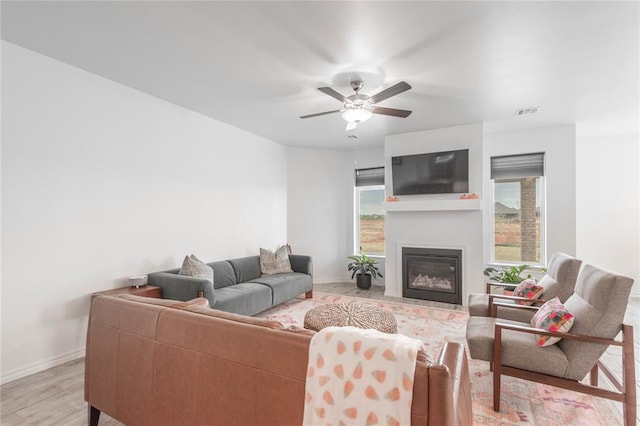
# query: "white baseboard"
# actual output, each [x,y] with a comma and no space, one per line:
[332,280]
[41,366]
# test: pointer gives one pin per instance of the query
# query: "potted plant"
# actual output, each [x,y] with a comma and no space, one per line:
[508,274]
[363,268]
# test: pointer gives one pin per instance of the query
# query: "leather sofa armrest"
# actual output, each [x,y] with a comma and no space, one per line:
[181,287]
[454,357]
[301,263]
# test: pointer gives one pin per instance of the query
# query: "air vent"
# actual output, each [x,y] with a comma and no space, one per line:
[525,111]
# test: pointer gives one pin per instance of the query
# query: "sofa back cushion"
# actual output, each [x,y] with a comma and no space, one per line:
[246,268]
[223,274]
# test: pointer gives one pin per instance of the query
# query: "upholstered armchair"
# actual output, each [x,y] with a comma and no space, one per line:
[560,280]
[598,306]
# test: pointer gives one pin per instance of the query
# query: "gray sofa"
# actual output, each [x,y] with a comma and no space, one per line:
[238,286]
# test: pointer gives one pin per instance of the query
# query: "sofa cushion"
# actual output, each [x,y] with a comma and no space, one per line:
[243,298]
[223,273]
[274,263]
[246,268]
[286,286]
[194,267]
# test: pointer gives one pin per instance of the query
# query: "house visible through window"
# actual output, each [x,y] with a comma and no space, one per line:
[518,209]
[369,215]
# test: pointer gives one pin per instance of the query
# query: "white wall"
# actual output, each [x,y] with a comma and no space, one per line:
[559,144]
[101,182]
[444,229]
[320,206]
[608,227]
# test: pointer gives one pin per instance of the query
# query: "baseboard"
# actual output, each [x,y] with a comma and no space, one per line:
[377,282]
[41,366]
[635,296]
[332,280]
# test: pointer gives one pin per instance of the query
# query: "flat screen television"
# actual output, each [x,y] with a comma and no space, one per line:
[432,173]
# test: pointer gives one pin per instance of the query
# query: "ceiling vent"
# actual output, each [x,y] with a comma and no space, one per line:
[525,111]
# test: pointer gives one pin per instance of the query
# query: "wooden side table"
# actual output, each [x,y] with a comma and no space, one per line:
[146,291]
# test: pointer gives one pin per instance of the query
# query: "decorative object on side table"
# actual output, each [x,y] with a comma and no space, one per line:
[363,268]
[137,282]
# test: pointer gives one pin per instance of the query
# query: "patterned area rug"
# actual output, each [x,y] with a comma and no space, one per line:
[522,402]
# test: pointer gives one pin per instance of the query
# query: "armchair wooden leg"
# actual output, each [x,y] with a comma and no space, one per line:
[309,294]
[629,377]
[497,364]
[94,416]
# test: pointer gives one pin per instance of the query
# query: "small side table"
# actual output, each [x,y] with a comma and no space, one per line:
[146,291]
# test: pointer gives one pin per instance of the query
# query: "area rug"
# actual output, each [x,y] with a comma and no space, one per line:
[522,402]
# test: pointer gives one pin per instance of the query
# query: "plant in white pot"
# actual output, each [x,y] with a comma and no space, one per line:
[363,268]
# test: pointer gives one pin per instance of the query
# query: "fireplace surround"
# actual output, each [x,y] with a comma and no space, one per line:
[432,274]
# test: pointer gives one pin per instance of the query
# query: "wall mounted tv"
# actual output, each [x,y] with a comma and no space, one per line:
[432,173]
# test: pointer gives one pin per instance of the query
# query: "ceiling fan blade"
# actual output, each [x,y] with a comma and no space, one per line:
[390,91]
[321,113]
[329,91]
[351,125]
[403,113]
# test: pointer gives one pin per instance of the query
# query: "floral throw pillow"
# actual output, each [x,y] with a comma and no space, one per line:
[552,316]
[529,289]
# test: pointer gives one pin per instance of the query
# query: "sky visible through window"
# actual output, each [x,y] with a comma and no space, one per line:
[508,193]
[371,202]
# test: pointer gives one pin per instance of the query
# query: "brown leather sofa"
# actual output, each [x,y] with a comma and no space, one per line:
[163,362]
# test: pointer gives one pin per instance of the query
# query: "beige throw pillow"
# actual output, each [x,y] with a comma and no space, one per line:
[274,263]
[194,267]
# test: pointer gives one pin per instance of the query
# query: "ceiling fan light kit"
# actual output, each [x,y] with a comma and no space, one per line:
[358,108]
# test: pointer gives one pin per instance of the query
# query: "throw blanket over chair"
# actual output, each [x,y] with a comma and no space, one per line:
[560,280]
[358,376]
[598,306]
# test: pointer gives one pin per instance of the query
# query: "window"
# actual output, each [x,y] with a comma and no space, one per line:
[518,209]
[369,215]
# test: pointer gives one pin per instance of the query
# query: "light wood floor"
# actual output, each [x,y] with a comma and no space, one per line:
[56,396]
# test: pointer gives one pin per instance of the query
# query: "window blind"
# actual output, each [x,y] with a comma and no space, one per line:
[370,177]
[517,166]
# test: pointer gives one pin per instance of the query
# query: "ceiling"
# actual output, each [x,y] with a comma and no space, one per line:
[257,65]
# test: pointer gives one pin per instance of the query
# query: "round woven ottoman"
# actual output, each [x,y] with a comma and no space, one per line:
[353,314]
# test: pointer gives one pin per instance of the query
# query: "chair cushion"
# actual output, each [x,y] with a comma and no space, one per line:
[561,276]
[552,316]
[519,350]
[479,306]
[528,288]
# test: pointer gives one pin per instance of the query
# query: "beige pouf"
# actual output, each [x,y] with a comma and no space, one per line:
[353,314]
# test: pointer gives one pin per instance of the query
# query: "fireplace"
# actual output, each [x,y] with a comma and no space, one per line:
[432,274]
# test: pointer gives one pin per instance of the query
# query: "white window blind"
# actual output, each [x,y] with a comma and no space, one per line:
[517,166]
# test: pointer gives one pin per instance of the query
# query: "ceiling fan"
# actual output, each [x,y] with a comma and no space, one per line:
[358,108]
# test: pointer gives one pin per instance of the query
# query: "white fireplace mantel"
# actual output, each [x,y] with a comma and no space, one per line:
[432,205]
